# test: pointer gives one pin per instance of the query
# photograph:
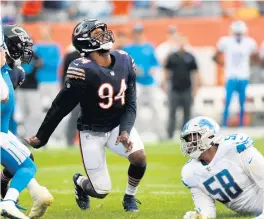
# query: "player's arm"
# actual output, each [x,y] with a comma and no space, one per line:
[220,48]
[128,118]
[64,103]
[253,162]
[204,204]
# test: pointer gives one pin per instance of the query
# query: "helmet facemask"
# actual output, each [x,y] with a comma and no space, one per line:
[193,144]
[19,52]
[103,41]
[92,35]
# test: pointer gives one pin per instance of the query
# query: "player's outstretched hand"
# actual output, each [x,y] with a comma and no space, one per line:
[194,215]
[259,217]
[34,142]
[124,139]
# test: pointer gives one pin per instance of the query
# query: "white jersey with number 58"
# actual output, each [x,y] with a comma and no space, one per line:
[237,56]
[234,177]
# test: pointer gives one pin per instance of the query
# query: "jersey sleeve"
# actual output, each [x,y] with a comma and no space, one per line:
[253,164]
[128,118]
[187,175]
[222,44]
[64,102]
[204,204]
[3,89]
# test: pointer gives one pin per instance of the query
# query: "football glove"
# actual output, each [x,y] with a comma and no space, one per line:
[194,215]
[191,215]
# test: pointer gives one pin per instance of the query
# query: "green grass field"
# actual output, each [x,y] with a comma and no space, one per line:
[161,192]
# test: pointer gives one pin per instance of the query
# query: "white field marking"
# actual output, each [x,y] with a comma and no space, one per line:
[60,168]
[112,167]
[163,186]
[117,191]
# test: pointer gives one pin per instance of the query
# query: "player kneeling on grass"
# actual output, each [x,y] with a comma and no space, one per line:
[103,82]
[224,168]
[15,157]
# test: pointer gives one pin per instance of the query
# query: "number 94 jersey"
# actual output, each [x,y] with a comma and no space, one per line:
[234,177]
[107,96]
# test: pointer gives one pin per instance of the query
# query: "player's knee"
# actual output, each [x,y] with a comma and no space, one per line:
[94,194]
[99,188]
[7,174]
[30,167]
[138,158]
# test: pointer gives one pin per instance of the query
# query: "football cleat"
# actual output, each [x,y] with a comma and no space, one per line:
[41,201]
[8,209]
[82,199]
[130,203]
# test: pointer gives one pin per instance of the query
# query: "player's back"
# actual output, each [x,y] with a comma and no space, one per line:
[226,179]
[103,100]
[237,55]
[8,107]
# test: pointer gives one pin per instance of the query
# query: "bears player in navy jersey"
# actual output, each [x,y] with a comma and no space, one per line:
[103,82]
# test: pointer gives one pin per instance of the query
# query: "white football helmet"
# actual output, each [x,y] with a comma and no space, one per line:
[198,135]
[238,27]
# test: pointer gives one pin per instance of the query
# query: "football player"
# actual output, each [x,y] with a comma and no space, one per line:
[15,156]
[227,169]
[103,82]
[239,50]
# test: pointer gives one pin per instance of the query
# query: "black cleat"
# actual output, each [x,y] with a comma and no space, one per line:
[130,203]
[81,197]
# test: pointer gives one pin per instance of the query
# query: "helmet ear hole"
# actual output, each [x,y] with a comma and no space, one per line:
[211,136]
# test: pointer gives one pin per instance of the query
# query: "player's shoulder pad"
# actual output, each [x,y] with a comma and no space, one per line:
[21,68]
[76,69]
[122,52]
[188,173]
[240,141]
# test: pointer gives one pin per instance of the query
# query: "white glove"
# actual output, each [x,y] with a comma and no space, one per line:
[196,215]
[191,215]
[259,217]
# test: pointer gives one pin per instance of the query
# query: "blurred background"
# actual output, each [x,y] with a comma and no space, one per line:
[150,31]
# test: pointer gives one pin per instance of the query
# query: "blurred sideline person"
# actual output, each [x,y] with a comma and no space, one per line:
[121,40]
[147,66]
[15,157]
[169,46]
[182,80]
[71,128]
[239,50]
[103,82]
[227,169]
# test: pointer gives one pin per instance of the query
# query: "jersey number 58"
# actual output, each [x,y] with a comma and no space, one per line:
[229,190]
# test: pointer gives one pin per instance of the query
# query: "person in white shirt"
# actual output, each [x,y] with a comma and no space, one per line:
[238,50]
[227,169]
[170,45]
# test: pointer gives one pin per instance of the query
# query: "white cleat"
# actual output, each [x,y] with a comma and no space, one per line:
[8,209]
[41,201]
